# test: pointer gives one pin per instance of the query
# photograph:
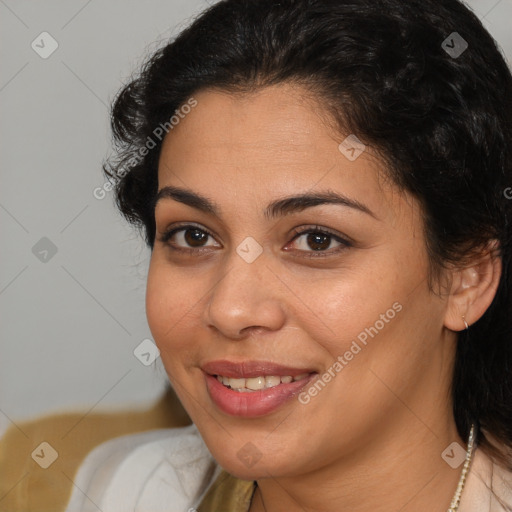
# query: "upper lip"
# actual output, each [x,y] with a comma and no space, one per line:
[248,369]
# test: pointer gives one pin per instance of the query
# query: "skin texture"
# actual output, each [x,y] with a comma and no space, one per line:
[372,438]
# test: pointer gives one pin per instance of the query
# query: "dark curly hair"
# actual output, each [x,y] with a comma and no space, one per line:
[397,74]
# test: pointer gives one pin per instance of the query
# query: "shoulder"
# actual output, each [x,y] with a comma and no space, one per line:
[501,482]
[158,470]
[488,486]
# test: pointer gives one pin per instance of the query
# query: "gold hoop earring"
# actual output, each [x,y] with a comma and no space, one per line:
[465,323]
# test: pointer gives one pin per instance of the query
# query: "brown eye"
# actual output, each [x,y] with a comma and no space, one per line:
[187,238]
[317,242]
[195,237]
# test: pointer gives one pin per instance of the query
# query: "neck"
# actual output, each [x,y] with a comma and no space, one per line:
[402,471]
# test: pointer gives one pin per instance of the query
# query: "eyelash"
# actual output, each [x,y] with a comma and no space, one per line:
[345,244]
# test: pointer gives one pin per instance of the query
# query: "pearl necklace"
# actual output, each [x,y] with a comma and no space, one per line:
[454,505]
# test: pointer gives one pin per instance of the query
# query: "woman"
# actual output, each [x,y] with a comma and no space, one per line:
[322,185]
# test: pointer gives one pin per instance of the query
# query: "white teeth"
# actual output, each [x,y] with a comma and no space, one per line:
[272,381]
[257,383]
[237,383]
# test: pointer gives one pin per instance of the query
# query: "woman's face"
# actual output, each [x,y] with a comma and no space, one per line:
[292,260]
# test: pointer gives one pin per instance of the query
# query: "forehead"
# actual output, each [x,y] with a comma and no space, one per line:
[265,143]
[273,119]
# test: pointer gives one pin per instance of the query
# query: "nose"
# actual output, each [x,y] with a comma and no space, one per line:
[245,299]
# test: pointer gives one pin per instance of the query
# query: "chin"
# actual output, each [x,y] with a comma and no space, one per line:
[249,459]
[256,472]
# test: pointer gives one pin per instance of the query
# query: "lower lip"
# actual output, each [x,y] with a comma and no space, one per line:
[253,403]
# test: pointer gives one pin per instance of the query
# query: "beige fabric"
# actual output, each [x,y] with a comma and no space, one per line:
[228,494]
[27,487]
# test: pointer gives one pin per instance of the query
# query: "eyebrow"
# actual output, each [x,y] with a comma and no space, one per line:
[279,207]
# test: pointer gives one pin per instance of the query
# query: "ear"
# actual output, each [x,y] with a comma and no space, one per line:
[473,288]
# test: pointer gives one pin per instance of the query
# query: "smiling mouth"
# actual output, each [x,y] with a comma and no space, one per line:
[251,388]
[249,385]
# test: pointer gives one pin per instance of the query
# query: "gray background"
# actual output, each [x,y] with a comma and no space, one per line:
[70,321]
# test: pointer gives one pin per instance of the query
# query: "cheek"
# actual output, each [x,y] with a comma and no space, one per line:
[171,304]
[158,299]
[336,311]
